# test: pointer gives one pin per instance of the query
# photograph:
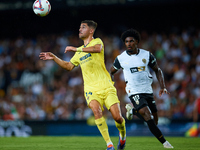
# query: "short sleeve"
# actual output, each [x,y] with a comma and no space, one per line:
[75,60]
[116,64]
[152,60]
[98,41]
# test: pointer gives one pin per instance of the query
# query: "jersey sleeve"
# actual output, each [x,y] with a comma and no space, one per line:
[75,60]
[116,64]
[152,60]
[98,41]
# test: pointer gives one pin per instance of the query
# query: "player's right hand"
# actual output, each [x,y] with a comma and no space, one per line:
[70,48]
[46,56]
[163,91]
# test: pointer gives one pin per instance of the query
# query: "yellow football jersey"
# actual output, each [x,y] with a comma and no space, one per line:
[95,75]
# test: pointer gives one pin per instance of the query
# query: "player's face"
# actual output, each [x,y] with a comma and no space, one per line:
[131,43]
[84,31]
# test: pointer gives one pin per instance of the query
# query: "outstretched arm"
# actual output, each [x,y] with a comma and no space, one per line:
[92,49]
[50,56]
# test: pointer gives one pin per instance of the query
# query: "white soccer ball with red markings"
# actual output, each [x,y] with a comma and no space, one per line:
[41,7]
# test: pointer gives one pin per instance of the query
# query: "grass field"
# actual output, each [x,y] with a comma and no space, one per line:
[93,143]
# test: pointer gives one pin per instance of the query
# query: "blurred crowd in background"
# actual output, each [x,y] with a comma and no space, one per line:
[33,89]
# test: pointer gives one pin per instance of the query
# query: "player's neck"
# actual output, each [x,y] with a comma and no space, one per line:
[87,40]
[133,51]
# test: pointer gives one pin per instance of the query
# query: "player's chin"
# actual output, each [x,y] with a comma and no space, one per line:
[81,36]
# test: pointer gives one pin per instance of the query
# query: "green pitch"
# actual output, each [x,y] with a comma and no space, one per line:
[93,143]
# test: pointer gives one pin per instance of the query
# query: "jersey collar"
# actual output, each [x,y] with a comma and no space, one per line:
[133,54]
[88,43]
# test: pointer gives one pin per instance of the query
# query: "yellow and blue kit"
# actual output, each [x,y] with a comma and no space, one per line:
[97,81]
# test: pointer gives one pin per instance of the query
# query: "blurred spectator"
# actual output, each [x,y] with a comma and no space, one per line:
[31,89]
[196,116]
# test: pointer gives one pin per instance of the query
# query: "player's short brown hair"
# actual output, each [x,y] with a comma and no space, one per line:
[90,23]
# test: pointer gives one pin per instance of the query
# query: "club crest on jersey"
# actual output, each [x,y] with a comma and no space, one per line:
[144,60]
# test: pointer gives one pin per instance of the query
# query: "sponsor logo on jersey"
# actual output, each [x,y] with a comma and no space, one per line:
[85,57]
[137,69]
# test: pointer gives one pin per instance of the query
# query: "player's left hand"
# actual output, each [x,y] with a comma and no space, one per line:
[70,48]
[163,91]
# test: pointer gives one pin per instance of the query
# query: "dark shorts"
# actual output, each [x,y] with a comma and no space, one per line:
[142,100]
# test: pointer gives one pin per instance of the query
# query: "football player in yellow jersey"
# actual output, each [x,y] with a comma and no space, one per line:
[98,86]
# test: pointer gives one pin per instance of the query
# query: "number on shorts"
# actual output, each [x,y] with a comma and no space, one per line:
[136,99]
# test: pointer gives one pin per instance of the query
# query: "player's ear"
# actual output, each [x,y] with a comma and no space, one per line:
[137,42]
[91,30]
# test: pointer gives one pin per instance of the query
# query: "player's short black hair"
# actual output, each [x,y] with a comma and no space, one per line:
[90,23]
[131,33]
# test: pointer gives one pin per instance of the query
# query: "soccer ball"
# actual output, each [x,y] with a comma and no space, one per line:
[41,7]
